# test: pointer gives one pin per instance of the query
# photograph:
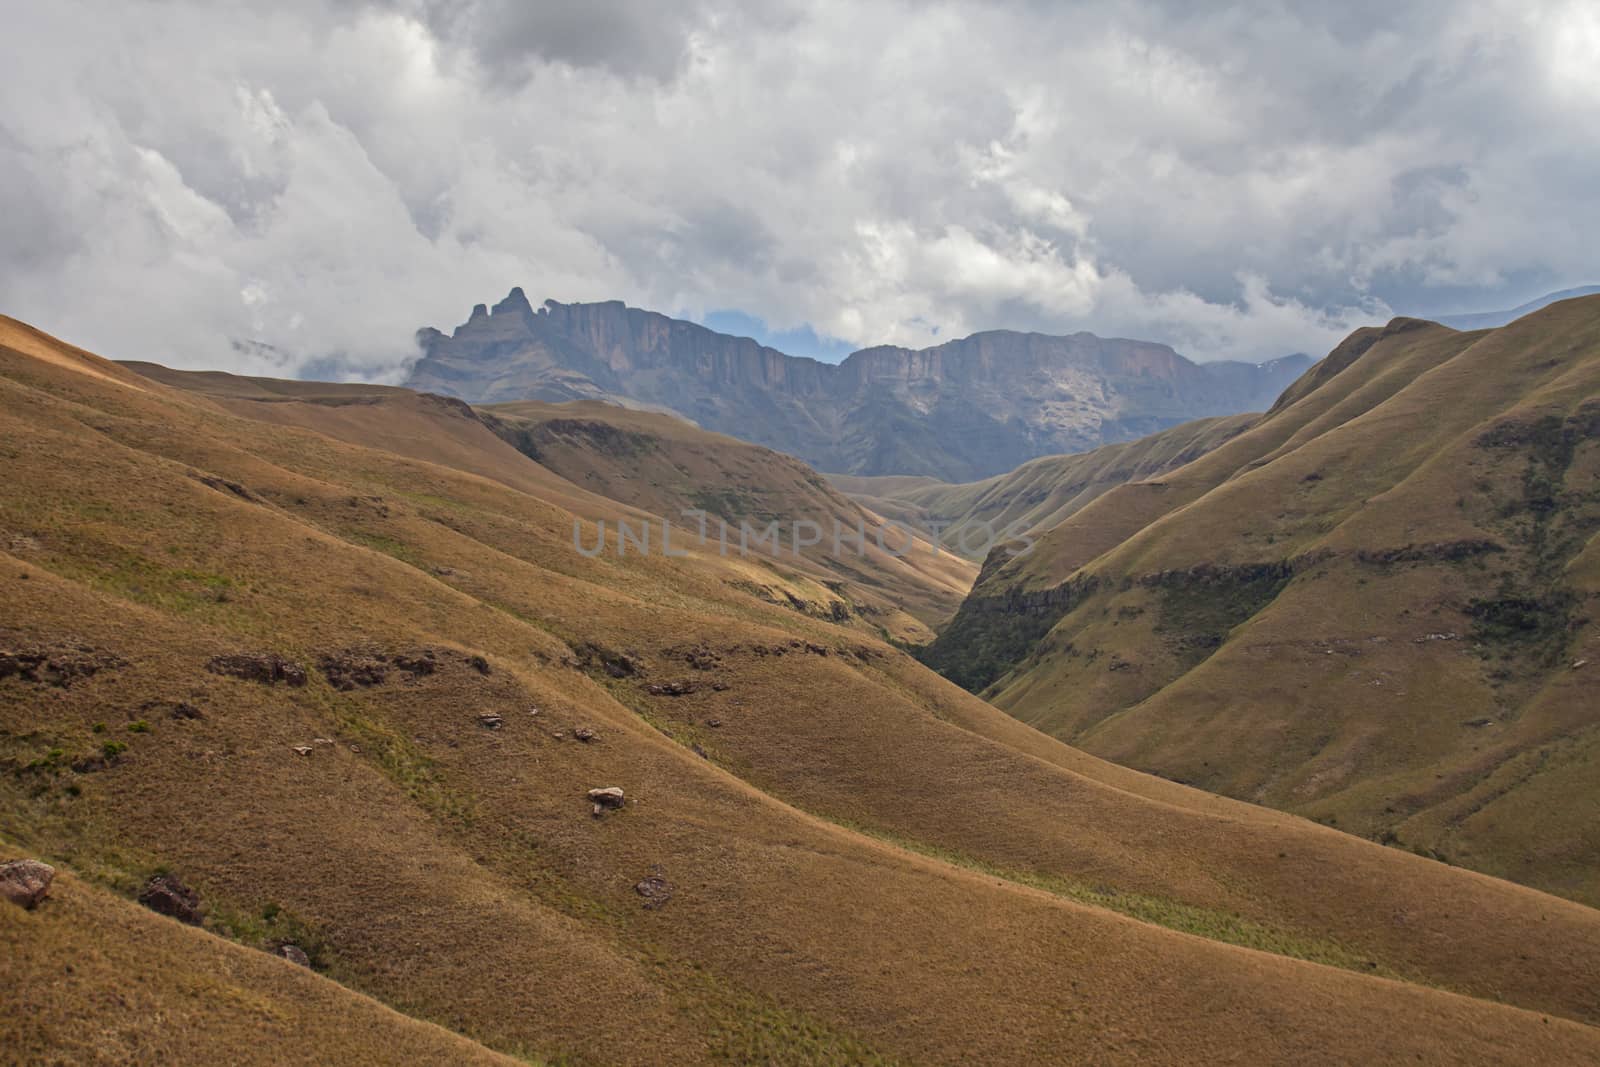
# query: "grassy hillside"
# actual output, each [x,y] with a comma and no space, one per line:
[1039,494]
[342,690]
[667,466]
[1374,607]
[659,466]
[90,971]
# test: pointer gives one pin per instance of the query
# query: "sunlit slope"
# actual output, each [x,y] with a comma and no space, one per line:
[93,978]
[1373,608]
[1041,493]
[1010,898]
[658,467]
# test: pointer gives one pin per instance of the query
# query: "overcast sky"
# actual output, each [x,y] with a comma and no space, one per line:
[325,176]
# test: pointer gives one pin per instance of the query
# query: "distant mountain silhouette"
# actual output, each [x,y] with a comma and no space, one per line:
[1488,320]
[962,410]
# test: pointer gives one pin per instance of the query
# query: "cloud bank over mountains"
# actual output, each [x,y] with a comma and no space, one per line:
[320,177]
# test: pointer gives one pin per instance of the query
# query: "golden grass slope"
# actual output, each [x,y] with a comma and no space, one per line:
[658,466]
[661,464]
[1374,608]
[1041,493]
[868,865]
[92,978]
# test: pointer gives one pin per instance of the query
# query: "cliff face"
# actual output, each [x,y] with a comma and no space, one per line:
[962,410]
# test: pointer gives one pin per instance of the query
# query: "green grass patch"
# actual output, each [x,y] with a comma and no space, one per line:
[406,766]
[387,545]
[1208,923]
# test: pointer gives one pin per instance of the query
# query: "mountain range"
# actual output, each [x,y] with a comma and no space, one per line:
[959,411]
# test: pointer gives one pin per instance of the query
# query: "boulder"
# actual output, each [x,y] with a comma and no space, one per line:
[26,882]
[584,734]
[166,895]
[605,799]
[294,954]
[655,889]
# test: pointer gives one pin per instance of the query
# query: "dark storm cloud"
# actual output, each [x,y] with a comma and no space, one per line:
[323,176]
[623,36]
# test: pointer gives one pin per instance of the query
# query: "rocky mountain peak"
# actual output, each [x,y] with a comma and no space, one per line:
[961,410]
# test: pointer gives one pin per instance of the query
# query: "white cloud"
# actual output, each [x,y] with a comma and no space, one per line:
[324,177]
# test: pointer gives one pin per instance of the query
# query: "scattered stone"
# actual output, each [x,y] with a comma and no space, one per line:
[479,664]
[177,709]
[267,668]
[89,764]
[491,721]
[558,735]
[294,954]
[26,882]
[719,687]
[586,735]
[304,750]
[816,650]
[1479,723]
[671,689]
[1578,664]
[605,799]
[655,889]
[322,740]
[698,751]
[166,895]
[713,723]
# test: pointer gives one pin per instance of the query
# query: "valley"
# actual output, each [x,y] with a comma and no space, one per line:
[326,655]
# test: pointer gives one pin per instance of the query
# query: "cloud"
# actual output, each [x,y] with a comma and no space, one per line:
[321,177]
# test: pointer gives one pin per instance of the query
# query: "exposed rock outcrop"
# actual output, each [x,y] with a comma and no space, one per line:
[58,665]
[267,668]
[166,895]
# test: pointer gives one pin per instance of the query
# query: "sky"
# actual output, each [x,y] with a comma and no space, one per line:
[299,185]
